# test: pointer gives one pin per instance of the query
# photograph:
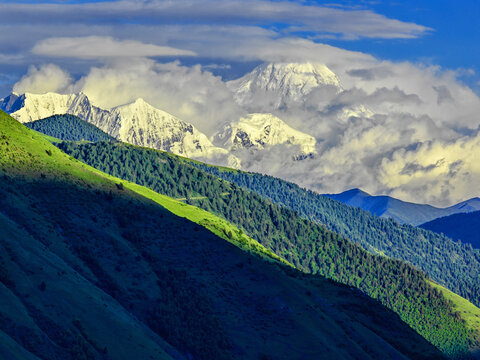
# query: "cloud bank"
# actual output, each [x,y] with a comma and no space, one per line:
[190,93]
[43,79]
[102,47]
[350,23]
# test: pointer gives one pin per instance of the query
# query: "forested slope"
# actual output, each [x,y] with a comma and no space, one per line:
[69,127]
[455,265]
[307,245]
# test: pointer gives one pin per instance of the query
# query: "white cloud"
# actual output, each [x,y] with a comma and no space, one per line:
[46,78]
[436,171]
[102,47]
[349,23]
[190,93]
[371,133]
[217,66]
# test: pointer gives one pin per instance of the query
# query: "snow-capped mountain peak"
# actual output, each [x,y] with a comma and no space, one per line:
[282,82]
[257,131]
[38,106]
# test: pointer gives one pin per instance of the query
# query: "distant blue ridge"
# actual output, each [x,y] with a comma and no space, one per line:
[401,211]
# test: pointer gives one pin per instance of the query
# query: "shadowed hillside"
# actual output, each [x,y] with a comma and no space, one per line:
[463,227]
[91,270]
[306,245]
[454,265]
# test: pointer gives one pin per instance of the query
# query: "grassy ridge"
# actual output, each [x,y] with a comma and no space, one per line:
[43,151]
[304,244]
[469,312]
[216,225]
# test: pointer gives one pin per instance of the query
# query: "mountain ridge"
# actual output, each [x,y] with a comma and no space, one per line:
[402,211]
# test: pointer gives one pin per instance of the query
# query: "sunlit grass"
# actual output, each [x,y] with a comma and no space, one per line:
[469,312]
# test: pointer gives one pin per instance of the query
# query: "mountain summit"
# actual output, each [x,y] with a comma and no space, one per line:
[282,83]
[257,131]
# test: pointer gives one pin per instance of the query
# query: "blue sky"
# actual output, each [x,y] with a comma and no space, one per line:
[450,39]
[453,42]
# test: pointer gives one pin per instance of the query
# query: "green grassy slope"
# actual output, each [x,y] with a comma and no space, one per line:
[469,312]
[306,245]
[90,269]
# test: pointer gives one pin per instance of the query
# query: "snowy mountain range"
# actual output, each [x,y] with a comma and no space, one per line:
[140,123]
[280,84]
[137,123]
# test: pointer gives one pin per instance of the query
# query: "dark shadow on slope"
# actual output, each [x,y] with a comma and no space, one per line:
[69,249]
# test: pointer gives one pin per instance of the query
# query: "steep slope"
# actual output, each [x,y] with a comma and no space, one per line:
[69,127]
[137,123]
[469,312]
[281,83]
[90,269]
[401,211]
[453,265]
[304,244]
[464,227]
[257,131]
